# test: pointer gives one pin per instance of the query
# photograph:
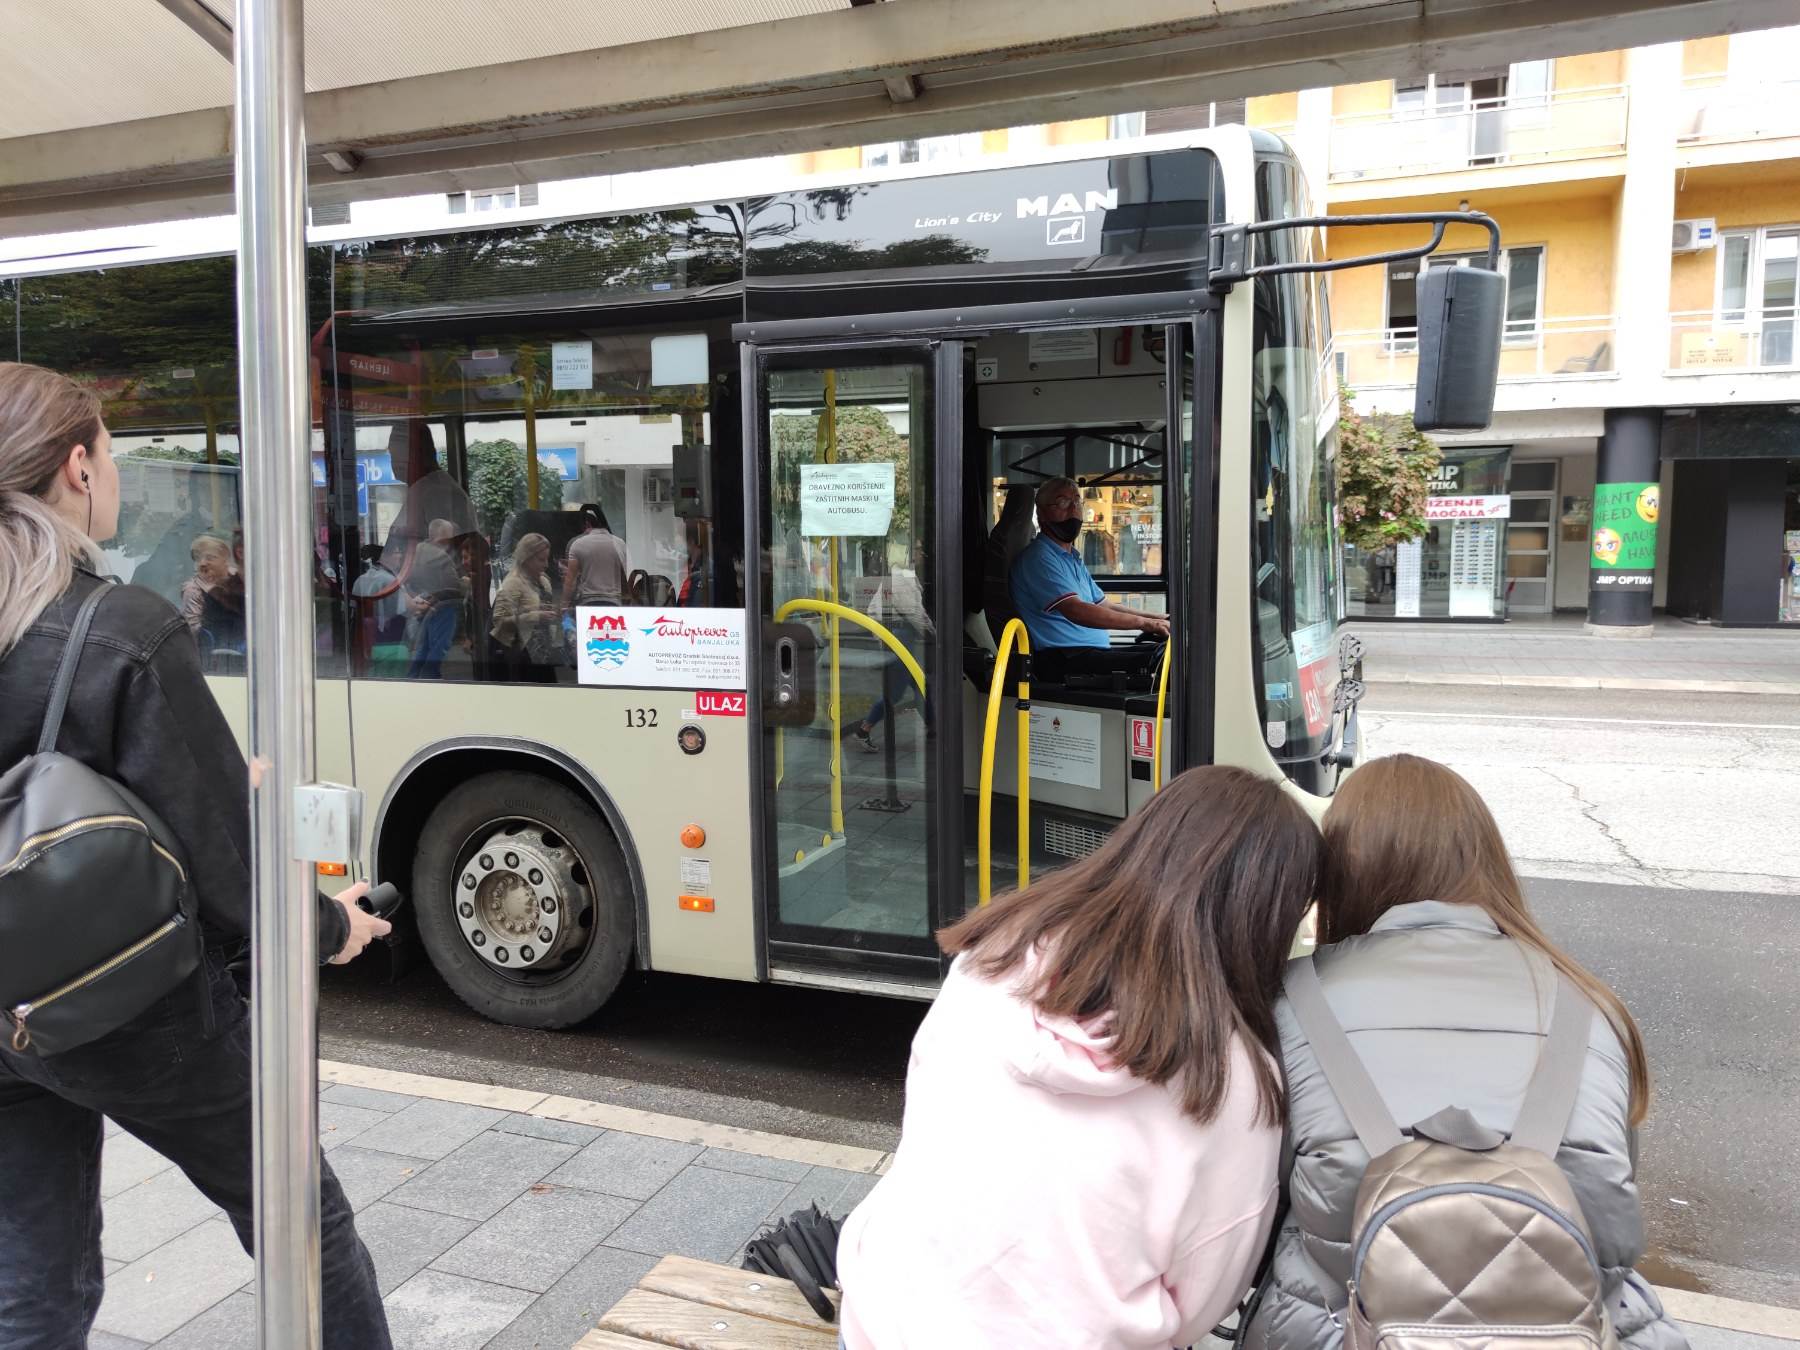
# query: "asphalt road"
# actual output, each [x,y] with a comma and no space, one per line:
[1662,847]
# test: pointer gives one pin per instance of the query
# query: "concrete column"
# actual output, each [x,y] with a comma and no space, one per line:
[1627,507]
[1646,210]
[1312,144]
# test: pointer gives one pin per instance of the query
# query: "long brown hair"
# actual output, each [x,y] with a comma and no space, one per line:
[1403,829]
[43,416]
[1178,927]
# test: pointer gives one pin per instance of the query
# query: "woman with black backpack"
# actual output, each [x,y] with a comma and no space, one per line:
[1463,1100]
[140,720]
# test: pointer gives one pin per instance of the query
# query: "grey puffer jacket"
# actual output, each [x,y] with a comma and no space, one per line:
[1444,1011]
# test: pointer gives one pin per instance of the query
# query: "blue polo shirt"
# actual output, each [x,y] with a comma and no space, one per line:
[1044,574]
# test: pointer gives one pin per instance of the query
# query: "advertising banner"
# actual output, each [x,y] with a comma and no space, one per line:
[647,648]
[1495,506]
[1624,535]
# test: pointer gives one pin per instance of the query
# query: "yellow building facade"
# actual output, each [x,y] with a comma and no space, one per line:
[1649,205]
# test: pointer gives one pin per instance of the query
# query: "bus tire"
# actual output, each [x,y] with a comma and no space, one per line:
[565,854]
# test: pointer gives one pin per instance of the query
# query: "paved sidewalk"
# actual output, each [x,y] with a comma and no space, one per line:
[1557,653]
[511,1220]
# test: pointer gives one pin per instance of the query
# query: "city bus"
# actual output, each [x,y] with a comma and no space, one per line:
[751,735]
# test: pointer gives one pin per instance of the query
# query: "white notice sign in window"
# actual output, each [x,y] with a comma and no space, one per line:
[571,365]
[1407,558]
[1065,746]
[838,500]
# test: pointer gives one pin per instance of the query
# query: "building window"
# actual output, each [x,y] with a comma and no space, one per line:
[499,199]
[1757,287]
[1523,269]
[1226,113]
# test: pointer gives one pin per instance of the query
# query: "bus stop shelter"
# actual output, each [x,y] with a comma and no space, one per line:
[124,110]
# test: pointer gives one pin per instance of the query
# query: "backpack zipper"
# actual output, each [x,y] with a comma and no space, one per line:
[43,839]
[1381,1217]
[21,1039]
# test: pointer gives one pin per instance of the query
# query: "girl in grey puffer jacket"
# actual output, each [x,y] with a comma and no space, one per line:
[1444,984]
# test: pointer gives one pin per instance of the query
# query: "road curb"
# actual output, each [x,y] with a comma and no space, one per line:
[625,1119]
[1760,1319]
[1764,688]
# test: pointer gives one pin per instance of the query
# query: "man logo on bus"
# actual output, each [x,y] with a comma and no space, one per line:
[607,644]
[1606,547]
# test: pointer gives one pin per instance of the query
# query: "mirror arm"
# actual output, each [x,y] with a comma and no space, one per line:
[1229,251]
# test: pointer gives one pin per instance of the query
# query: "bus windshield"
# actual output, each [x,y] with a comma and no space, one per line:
[1294,428]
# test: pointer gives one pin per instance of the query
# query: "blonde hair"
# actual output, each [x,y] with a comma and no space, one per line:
[1403,829]
[209,543]
[528,545]
[43,416]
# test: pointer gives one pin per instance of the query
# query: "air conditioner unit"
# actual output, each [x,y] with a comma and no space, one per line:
[1690,236]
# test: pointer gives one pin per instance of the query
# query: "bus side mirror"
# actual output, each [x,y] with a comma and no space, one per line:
[1461,312]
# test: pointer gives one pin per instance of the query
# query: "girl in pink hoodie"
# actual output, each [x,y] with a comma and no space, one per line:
[1093,1108]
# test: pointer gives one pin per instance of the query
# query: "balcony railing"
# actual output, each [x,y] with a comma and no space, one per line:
[1716,108]
[1546,349]
[1744,339]
[1522,128]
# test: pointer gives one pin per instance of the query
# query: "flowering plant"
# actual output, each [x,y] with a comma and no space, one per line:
[1384,464]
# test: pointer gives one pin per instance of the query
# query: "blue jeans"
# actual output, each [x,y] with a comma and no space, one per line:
[177,1077]
[436,632]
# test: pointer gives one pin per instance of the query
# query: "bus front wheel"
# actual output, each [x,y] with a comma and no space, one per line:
[523,900]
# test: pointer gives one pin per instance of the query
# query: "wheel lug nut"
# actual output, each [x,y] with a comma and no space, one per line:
[537,877]
[545,935]
[512,860]
[548,905]
[466,910]
[479,939]
[525,954]
[500,955]
[487,863]
[468,881]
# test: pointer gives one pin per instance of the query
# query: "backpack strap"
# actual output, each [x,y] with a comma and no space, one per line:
[65,671]
[1344,1071]
[1550,1098]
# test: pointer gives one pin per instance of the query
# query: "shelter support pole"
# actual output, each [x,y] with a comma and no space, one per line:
[275,439]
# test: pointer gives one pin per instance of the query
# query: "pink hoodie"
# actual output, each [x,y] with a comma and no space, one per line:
[1042,1197]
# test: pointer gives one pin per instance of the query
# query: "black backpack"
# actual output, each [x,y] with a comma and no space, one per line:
[96,913]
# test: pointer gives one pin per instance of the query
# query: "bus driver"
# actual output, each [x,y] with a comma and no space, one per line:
[1064,610]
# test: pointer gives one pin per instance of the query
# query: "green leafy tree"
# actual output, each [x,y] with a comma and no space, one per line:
[499,484]
[1384,464]
[864,436]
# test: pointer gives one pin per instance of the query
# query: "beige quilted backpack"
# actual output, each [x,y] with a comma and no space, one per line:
[1464,1239]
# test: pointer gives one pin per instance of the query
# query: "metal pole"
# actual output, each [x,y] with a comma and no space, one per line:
[272,355]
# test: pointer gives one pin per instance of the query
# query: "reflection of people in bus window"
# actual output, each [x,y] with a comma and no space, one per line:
[598,568]
[696,587]
[381,589]
[211,557]
[431,493]
[434,588]
[525,608]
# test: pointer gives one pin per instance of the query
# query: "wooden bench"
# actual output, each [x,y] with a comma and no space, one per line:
[699,1306]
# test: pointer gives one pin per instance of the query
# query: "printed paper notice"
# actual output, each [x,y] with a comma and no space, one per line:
[1065,746]
[696,876]
[1068,344]
[1406,579]
[646,648]
[840,500]
[571,365]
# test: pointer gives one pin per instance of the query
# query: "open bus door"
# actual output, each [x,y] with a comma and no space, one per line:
[854,589]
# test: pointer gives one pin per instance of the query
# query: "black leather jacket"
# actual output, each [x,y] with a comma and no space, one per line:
[140,712]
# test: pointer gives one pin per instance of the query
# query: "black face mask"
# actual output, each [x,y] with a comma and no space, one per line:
[1063,531]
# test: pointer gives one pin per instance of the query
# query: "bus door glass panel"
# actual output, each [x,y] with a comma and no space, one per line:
[848,498]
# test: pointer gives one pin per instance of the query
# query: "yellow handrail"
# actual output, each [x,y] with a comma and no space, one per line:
[1162,700]
[835,611]
[985,837]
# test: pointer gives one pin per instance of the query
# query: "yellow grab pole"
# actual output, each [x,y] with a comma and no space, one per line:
[828,445]
[1162,699]
[861,620]
[528,369]
[1014,630]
